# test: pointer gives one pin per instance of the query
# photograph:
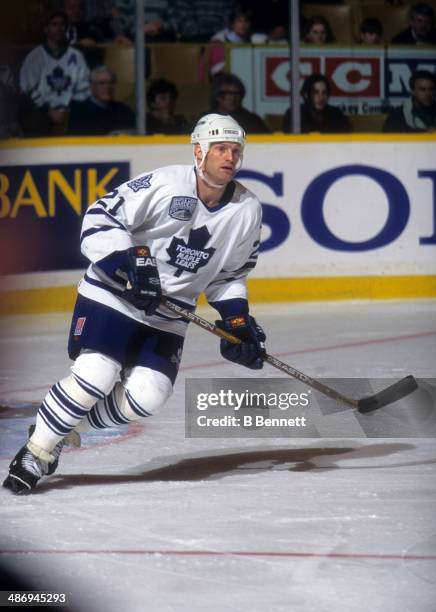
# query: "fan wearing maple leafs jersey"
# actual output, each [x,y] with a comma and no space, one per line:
[54,73]
[176,231]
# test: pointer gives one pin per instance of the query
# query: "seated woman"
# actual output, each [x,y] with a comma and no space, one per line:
[316,114]
[161,104]
[318,31]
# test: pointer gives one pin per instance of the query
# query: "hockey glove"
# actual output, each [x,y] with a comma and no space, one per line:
[252,351]
[144,291]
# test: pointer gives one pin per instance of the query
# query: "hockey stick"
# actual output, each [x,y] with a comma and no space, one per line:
[391,394]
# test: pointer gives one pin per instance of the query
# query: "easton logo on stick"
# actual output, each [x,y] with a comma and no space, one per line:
[192,255]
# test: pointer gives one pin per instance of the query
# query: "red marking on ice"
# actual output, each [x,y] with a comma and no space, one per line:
[211,364]
[224,553]
[325,348]
[135,429]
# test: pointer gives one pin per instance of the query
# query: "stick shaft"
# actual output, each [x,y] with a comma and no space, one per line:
[276,363]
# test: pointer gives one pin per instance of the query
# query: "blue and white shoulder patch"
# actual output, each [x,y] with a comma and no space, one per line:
[182,208]
[143,182]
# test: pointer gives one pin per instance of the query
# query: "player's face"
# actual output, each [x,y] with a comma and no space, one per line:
[424,92]
[319,96]
[222,160]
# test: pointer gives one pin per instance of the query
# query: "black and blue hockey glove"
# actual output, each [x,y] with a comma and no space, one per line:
[251,351]
[144,290]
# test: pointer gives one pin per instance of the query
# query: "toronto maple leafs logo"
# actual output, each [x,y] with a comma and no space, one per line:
[142,182]
[58,81]
[192,255]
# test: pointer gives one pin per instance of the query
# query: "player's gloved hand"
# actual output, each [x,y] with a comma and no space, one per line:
[144,290]
[251,351]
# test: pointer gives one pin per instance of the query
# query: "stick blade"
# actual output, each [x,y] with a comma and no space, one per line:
[391,394]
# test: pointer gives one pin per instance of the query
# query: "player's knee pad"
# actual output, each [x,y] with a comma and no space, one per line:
[146,390]
[96,373]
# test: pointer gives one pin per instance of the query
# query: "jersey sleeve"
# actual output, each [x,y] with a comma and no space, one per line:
[230,283]
[30,77]
[109,223]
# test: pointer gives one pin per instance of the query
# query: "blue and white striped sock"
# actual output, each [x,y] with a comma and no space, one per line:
[64,407]
[117,408]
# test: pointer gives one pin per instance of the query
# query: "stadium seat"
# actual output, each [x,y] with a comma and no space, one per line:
[367,123]
[177,62]
[274,122]
[121,59]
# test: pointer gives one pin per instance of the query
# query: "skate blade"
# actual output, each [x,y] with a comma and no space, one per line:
[16,486]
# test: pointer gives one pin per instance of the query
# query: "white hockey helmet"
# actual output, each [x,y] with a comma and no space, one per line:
[217,128]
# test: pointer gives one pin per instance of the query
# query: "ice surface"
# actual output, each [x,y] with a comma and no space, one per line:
[145,519]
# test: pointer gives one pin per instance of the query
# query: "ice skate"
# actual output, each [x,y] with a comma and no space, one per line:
[27,469]
[72,439]
[24,472]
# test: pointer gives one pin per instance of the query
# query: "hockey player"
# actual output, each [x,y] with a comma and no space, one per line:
[176,231]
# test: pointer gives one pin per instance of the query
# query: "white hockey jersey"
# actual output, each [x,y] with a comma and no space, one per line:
[55,81]
[198,249]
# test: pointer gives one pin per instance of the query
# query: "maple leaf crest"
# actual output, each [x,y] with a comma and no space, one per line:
[192,255]
[58,81]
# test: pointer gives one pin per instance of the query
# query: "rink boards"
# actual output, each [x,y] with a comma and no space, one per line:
[344,217]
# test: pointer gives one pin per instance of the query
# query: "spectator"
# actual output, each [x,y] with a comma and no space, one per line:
[161,117]
[421,28]
[418,114]
[239,28]
[267,16]
[316,114]
[228,91]
[276,34]
[98,10]
[237,32]
[198,21]
[9,105]
[54,74]
[100,113]
[79,32]
[371,31]
[157,26]
[318,31]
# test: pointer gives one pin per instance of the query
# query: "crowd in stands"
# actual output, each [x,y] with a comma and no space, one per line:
[63,86]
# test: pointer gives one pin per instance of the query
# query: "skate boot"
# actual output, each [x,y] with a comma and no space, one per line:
[24,472]
[27,469]
[72,439]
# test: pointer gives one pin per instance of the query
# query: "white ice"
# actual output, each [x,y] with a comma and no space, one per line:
[151,520]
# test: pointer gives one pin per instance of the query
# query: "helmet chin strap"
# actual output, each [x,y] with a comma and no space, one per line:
[208,181]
